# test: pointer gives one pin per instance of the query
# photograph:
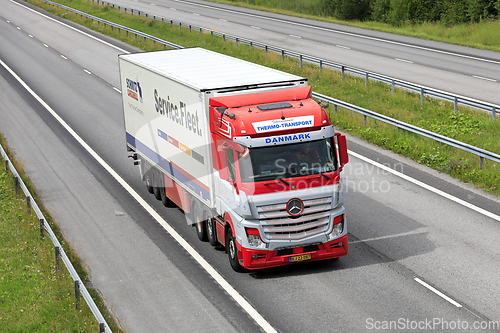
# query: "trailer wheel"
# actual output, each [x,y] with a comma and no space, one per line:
[199,223]
[210,227]
[232,252]
[147,180]
[157,189]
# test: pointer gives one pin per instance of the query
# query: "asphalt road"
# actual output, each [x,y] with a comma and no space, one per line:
[461,70]
[416,256]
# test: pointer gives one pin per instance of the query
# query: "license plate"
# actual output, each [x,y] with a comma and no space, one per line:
[301,257]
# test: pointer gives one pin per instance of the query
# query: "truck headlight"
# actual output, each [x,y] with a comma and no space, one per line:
[338,227]
[254,239]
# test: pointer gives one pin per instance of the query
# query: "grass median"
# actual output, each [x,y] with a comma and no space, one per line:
[34,296]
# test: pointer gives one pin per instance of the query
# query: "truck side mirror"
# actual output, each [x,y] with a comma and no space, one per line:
[342,144]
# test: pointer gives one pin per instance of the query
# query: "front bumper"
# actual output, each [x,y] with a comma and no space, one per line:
[257,259]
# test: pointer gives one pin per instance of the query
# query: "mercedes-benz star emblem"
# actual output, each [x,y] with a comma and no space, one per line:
[294,207]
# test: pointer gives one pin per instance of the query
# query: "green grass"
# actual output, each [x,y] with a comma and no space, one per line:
[34,296]
[483,35]
[470,126]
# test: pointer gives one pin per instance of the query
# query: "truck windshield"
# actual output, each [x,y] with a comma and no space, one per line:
[288,161]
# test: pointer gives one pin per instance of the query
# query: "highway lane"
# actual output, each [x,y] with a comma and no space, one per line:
[460,70]
[394,239]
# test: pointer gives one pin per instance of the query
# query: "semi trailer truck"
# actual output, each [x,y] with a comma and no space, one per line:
[244,150]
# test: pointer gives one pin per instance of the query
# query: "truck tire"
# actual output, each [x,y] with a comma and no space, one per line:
[232,252]
[199,224]
[156,180]
[147,180]
[210,227]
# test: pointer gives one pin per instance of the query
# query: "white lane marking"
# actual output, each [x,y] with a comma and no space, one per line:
[70,27]
[152,4]
[484,78]
[437,292]
[427,187]
[62,56]
[30,36]
[295,36]
[258,28]
[343,47]
[45,45]
[18,28]
[245,305]
[173,9]
[418,231]
[222,20]
[8,21]
[196,14]
[87,71]
[344,33]
[403,60]
[119,91]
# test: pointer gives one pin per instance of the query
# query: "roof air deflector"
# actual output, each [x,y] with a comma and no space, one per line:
[275,106]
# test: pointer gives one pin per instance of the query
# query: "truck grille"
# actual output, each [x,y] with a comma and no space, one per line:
[278,225]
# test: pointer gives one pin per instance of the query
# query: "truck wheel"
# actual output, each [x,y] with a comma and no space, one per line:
[147,180]
[232,252]
[199,223]
[210,227]
[156,189]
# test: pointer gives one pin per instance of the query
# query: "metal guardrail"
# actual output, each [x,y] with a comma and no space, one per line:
[422,90]
[59,251]
[413,129]
[366,113]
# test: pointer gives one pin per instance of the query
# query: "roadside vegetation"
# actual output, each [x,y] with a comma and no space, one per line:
[34,296]
[467,125]
[472,23]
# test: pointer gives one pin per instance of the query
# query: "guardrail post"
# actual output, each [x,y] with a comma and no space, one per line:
[481,162]
[251,45]
[282,55]
[200,30]
[364,119]
[16,181]
[6,166]
[58,255]
[28,204]
[223,38]
[422,96]
[180,25]
[266,50]
[171,24]
[42,226]
[190,28]
[77,294]
[320,66]
[102,328]
[300,61]
[236,41]
[154,17]
[366,80]
[455,102]
[493,113]
[342,72]
[335,109]
[392,87]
